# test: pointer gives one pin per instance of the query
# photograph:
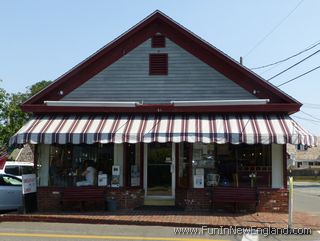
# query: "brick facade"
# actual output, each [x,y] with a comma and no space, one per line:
[273,200]
[49,199]
[270,200]
[194,199]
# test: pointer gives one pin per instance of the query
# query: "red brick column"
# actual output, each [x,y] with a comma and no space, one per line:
[273,200]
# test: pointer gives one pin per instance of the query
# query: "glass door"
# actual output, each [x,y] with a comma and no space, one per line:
[160,170]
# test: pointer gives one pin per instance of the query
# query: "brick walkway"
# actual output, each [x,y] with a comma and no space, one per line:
[171,218]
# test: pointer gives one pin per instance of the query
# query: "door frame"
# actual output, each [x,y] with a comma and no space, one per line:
[172,170]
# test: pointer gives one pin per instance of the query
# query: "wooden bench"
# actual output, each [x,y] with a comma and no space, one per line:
[235,195]
[83,195]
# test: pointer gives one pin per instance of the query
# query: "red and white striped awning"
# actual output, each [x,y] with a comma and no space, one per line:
[235,129]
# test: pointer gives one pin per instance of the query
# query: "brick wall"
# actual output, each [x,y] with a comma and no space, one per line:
[127,198]
[49,199]
[270,200]
[194,199]
[273,200]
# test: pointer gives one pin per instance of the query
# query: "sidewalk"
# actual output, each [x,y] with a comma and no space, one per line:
[171,218]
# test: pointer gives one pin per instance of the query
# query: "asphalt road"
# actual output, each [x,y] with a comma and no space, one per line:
[11,231]
[306,198]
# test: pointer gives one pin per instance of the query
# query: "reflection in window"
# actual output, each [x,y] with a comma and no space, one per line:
[133,160]
[231,165]
[184,166]
[204,165]
[67,162]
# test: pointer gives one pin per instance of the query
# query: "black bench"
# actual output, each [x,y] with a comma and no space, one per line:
[235,195]
[83,195]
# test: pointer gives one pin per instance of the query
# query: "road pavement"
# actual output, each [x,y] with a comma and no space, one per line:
[17,231]
[306,198]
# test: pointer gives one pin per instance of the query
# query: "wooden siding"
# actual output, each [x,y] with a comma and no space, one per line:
[188,78]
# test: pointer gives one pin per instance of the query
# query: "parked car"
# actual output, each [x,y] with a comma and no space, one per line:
[17,168]
[10,192]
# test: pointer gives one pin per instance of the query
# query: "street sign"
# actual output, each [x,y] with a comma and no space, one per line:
[29,183]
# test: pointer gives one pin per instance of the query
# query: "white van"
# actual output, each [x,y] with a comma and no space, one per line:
[17,168]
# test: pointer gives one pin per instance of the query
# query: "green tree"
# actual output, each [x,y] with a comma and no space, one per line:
[3,103]
[11,116]
[34,89]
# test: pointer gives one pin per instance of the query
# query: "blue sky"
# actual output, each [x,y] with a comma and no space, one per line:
[41,40]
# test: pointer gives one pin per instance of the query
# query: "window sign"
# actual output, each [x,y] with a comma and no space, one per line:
[29,184]
[198,181]
[115,181]
[135,176]
[102,180]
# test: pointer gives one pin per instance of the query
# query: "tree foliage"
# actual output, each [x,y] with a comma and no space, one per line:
[11,116]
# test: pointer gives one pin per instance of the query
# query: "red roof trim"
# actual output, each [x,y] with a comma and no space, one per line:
[158,22]
[272,108]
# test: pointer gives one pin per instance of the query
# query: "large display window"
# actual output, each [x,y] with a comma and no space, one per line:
[133,164]
[204,170]
[74,165]
[231,165]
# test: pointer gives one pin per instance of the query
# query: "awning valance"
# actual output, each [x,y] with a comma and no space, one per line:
[235,129]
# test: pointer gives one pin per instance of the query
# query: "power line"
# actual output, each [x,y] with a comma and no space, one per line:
[316,118]
[283,71]
[290,57]
[311,106]
[267,35]
[299,76]
[306,119]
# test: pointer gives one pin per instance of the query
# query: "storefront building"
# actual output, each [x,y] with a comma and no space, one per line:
[164,119]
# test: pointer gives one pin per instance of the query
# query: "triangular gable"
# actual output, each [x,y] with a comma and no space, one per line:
[188,79]
[160,23]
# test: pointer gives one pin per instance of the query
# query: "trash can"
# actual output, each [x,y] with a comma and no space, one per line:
[111,204]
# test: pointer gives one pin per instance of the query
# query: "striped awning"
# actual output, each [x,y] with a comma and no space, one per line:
[235,129]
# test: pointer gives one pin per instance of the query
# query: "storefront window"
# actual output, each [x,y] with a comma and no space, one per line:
[133,165]
[231,165]
[226,164]
[254,165]
[67,163]
[204,168]
[184,166]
